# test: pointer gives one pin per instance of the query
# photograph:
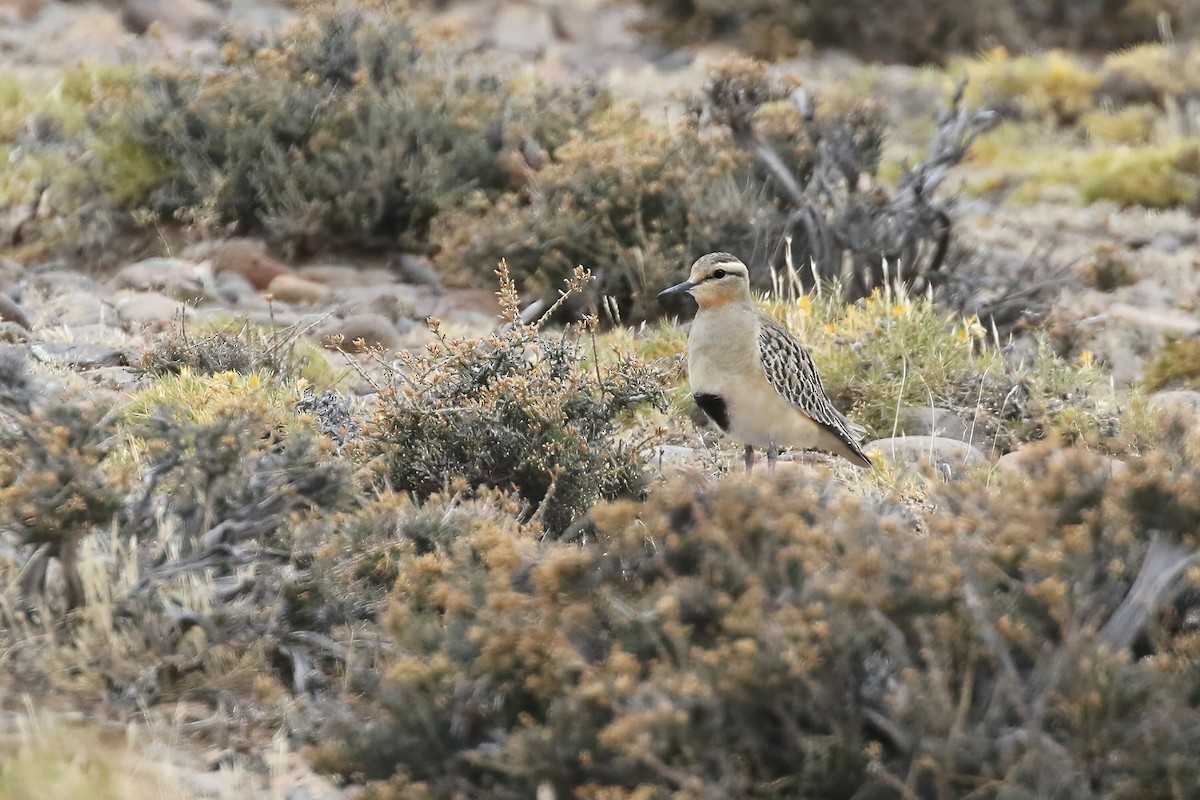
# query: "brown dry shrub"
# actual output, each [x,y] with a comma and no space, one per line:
[787,638]
[916,31]
[520,410]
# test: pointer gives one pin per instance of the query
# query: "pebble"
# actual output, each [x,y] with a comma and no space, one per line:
[248,258]
[79,355]
[1182,405]
[78,307]
[175,277]
[932,421]
[375,330]
[297,290]
[11,312]
[194,18]
[952,458]
[152,308]
[394,301]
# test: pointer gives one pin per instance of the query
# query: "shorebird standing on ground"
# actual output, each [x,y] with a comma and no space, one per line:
[750,375]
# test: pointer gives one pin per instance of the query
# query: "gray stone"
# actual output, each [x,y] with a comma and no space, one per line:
[418,269]
[174,277]
[54,281]
[1177,404]
[78,307]
[151,308]
[522,30]
[951,458]
[13,333]
[932,421]
[1167,243]
[79,355]
[11,312]
[237,292]
[1166,320]
[194,18]
[666,455]
[297,290]
[395,301]
[341,276]
[1027,459]
[374,329]
[122,378]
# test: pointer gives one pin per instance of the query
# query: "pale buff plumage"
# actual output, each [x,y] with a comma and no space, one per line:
[751,376]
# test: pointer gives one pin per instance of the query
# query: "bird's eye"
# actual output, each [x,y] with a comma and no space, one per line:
[719,273]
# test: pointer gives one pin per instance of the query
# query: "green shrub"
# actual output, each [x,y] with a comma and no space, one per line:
[59,484]
[755,169]
[786,638]
[519,410]
[1176,365]
[354,132]
[240,347]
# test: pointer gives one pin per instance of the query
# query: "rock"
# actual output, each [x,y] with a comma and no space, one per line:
[666,455]
[175,277]
[248,258]
[67,33]
[297,290]
[194,18]
[418,269]
[1167,243]
[374,329]
[79,355]
[151,308]
[77,307]
[25,10]
[121,378]
[1166,320]
[13,333]
[236,290]
[522,30]
[55,281]
[11,312]
[932,421]
[254,18]
[1182,405]
[395,301]
[341,276]
[1030,458]
[951,457]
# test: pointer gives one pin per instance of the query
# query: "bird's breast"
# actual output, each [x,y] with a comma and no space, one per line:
[723,350]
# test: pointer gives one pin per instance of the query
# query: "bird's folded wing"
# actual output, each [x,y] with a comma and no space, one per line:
[790,369]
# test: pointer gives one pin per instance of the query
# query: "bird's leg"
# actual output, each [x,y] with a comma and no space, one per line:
[772,456]
[749,459]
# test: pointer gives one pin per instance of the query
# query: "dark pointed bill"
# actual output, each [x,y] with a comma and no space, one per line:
[679,287]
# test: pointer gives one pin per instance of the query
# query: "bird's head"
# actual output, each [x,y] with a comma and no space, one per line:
[715,279]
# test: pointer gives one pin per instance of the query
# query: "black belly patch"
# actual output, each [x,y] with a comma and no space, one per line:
[714,406]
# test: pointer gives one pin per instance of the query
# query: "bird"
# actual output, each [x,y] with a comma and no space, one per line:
[750,376]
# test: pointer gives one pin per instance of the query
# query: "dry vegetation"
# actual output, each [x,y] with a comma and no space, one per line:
[391,593]
[478,584]
[917,31]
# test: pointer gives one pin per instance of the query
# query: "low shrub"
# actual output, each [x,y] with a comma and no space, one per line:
[59,483]
[757,169]
[1176,365]
[520,410]
[240,347]
[354,132]
[786,638]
